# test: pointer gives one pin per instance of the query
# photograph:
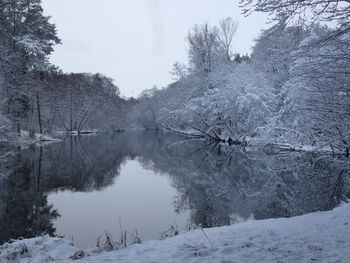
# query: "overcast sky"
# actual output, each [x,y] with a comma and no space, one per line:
[136,42]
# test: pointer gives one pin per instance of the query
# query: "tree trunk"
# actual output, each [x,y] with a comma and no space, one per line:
[71,114]
[39,114]
[18,128]
[39,168]
[31,128]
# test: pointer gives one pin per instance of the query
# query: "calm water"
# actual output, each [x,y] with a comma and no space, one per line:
[148,181]
[141,199]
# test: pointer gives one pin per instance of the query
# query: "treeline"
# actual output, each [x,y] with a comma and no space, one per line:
[293,89]
[37,97]
[80,102]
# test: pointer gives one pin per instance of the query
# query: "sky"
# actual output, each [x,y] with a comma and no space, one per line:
[136,42]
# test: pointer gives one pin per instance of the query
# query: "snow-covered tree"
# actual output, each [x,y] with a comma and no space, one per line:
[28,37]
[324,10]
[315,95]
[179,71]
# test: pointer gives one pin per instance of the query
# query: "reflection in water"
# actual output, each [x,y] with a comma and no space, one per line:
[139,198]
[220,185]
[217,184]
[25,210]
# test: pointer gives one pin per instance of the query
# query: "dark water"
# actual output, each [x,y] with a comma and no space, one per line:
[149,181]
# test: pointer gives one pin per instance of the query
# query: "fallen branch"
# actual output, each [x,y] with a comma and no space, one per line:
[184,132]
[207,134]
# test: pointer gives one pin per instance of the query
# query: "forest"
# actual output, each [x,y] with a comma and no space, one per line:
[291,91]
[35,96]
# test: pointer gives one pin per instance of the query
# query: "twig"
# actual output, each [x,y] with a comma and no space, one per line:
[207,237]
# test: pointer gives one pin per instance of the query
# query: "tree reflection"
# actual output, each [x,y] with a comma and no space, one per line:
[220,185]
[26,212]
[78,164]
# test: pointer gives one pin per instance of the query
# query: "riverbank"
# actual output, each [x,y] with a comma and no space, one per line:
[315,237]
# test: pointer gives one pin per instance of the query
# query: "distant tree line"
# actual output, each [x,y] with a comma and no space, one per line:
[37,97]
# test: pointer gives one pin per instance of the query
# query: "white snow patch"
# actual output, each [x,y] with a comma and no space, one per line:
[37,250]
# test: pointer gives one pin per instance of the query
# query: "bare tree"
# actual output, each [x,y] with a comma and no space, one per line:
[179,71]
[201,40]
[226,31]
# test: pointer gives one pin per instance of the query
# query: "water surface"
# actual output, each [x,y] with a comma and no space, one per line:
[148,181]
[139,199]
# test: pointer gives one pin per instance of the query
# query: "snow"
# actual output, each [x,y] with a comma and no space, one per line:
[315,237]
[39,138]
[47,138]
[39,249]
[85,132]
[325,149]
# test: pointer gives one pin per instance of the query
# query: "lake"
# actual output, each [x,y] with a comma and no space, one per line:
[149,181]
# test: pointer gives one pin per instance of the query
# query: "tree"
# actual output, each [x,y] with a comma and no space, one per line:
[202,47]
[320,10]
[316,97]
[209,45]
[79,101]
[317,94]
[226,31]
[28,37]
[274,49]
[179,71]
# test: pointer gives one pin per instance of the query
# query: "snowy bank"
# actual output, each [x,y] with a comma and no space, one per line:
[316,237]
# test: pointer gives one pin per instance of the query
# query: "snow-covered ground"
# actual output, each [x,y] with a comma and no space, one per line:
[316,237]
